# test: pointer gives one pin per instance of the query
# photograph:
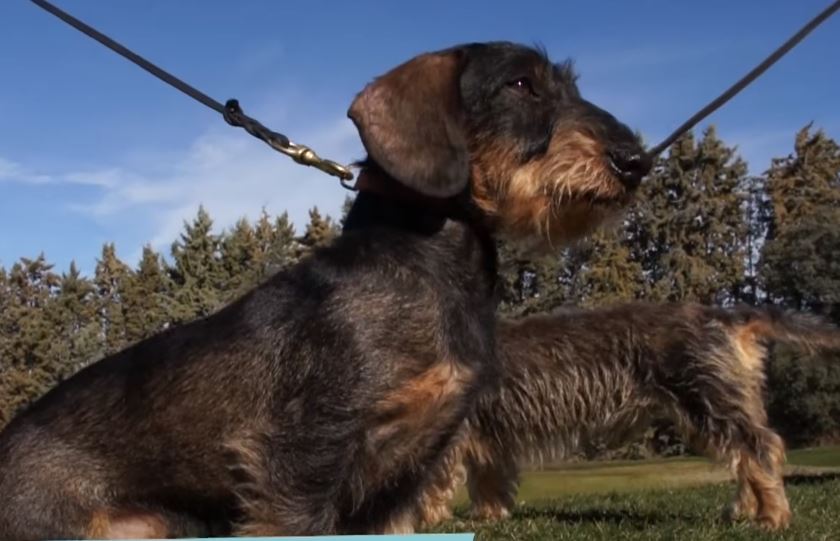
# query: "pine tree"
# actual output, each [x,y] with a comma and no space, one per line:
[804,397]
[799,266]
[530,282]
[241,258]
[264,234]
[277,247]
[804,181]
[148,298]
[29,370]
[5,306]
[5,344]
[197,273]
[319,231]
[689,232]
[111,279]
[284,248]
[609,274]
[73,314]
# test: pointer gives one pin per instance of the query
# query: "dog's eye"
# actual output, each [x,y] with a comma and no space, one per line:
[522,84]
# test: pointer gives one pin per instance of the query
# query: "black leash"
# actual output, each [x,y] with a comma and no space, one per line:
[302,154]
[231,111]
[747,79]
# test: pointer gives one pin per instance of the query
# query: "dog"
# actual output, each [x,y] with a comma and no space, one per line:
[579,376]
[318,402]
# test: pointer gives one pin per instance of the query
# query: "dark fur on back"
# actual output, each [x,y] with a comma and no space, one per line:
[577,377]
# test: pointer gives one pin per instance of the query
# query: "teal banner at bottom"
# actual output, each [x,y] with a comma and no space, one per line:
[417,537]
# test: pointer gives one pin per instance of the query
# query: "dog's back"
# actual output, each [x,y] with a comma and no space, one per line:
[579,378]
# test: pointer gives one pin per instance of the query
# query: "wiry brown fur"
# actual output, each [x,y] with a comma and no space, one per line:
[561,196]
[581,376]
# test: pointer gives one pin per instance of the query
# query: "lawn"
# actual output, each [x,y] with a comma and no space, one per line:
[659,499]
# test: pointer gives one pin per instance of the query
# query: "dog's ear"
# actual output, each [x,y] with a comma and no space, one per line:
[411,124]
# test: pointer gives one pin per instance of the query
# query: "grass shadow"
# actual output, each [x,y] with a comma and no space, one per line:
[591,516]
[796,479]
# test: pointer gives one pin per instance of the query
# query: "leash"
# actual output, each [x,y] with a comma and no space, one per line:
[716,103]
[230,111]
[233,114]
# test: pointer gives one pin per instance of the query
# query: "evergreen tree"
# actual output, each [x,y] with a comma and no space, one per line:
[277,247]
[609,275]
[197,273]
[111,279]
[148,298]
[799,266]
[5,345]
[264,234]
[5,331]
[804,397]
[241,259]
[319,231]
[29,369]
[284,248]
[73,314]
[804,181]
[530,282]
[690,232]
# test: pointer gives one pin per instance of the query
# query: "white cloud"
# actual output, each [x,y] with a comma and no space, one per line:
[234,175]
[229,172]
[11,171]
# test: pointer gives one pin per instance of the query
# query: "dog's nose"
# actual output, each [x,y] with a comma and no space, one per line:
[630,165]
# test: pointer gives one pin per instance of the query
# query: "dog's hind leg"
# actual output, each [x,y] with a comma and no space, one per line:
[744,505]
[756,456]
[492,482]
[760,464]
[434,505]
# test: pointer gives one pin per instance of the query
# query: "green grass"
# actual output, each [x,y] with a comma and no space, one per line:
[824,457]
[659,499]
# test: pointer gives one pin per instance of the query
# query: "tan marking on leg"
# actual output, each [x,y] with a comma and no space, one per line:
[99,524]
[407,417]
[401,523]
[406,422]
[112,524]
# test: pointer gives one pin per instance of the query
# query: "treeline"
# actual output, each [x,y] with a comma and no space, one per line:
[703,229]
[53,324]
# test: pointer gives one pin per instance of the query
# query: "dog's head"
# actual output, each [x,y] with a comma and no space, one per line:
[502,122]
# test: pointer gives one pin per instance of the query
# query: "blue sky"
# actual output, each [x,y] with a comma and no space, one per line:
[93,149]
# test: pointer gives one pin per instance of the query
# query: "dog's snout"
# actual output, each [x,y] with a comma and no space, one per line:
[630,164]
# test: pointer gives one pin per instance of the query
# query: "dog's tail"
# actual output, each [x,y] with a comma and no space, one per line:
[776,324]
